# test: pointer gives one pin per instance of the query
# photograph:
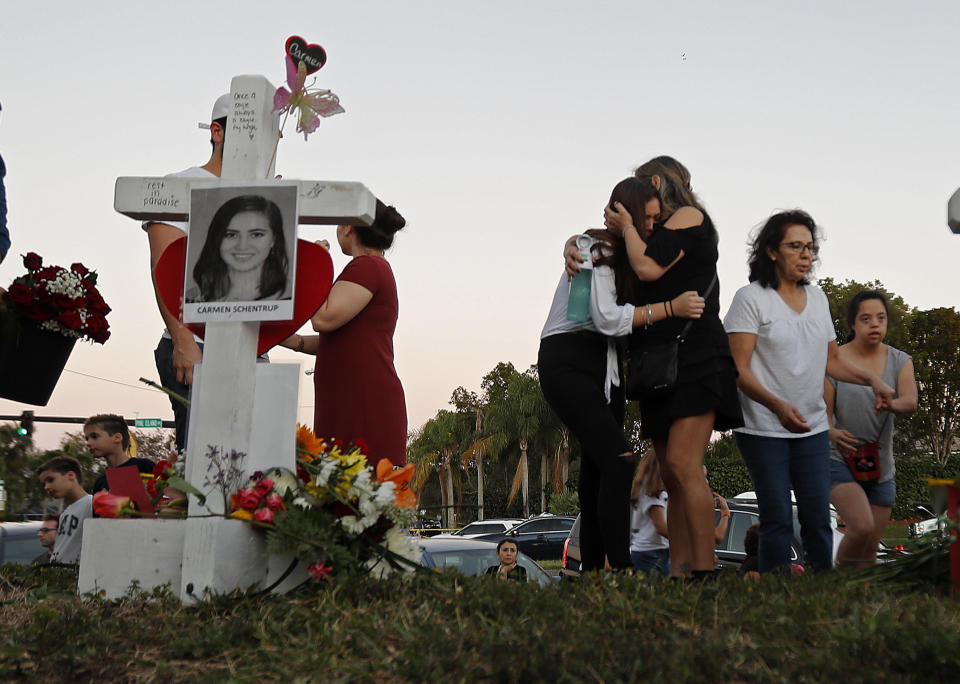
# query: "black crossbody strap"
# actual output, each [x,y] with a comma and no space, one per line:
[683,333]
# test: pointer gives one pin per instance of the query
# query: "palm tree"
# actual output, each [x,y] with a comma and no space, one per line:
[468,405]
[516,417]
[433,450]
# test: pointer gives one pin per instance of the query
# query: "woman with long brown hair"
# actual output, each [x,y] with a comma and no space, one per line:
[579,374]
[680,255]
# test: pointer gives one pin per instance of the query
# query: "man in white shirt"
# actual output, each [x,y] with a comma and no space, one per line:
[179,349]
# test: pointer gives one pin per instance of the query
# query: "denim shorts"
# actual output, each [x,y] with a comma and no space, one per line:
[878,493]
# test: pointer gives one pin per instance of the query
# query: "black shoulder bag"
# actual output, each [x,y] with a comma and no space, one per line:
[654,370]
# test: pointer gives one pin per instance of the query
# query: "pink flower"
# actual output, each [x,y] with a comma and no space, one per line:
[275,502]
[319,570]
[266,484]
[108,505]
[248,499]
[264,515]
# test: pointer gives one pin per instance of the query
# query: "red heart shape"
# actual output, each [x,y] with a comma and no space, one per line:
[313,56]
[314,280]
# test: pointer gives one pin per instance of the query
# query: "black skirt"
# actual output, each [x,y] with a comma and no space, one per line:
[707,381]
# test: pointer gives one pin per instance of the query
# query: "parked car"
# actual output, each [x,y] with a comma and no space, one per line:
[744,513]
[541,538]
[473,557]
[730,551]
[931,524]
[19,542]
[570,561]
[479,527]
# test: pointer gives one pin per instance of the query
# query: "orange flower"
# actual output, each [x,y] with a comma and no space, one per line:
[404,497]
[309,446]
[242,514]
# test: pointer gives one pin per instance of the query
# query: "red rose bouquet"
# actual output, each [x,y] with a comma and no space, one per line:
[60,300]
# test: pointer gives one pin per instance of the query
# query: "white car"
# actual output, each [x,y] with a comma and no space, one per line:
[834,520]
[921,527]
[478,527]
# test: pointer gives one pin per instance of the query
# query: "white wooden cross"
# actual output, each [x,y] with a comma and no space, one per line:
[236,403]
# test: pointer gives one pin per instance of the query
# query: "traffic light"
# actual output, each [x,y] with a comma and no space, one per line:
[26,424]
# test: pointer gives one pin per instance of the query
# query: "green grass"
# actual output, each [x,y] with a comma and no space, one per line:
[448,628]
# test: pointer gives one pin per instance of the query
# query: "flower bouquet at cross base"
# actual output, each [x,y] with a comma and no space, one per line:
[165,487]
[60,300]
[337,514]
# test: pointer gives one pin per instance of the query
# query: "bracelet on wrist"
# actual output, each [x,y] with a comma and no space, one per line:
[666,314]
[300,342]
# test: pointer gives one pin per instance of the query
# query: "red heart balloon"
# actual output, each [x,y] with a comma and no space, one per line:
[312,55]
[314,280]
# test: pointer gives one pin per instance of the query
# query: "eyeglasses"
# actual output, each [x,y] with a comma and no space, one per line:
[44,530]
[799,247]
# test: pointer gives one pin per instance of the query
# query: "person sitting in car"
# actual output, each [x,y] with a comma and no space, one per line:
[508,569]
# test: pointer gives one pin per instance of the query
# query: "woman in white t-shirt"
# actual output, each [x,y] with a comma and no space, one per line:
[649,545]
[783,341]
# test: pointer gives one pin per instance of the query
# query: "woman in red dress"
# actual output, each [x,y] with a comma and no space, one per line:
[358,393]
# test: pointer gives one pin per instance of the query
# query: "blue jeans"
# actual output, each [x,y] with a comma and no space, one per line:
[776,465]
[651,562]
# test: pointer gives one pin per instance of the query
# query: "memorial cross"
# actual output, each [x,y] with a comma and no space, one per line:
[236,403]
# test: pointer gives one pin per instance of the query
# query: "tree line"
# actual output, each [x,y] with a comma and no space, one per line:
[475,460]
[19,459]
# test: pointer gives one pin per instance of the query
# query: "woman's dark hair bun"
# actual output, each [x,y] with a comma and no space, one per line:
[386,223]
[389,218]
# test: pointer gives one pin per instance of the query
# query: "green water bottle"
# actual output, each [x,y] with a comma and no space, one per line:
[578,302]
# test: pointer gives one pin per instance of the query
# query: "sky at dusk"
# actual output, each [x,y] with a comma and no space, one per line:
[497,129]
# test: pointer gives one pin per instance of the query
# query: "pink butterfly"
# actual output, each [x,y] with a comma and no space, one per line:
[309,105]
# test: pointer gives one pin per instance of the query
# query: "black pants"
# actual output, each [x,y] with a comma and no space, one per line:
[163,355]
[168,379]
[572,369]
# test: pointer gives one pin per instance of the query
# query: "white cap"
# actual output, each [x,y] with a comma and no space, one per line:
[221,108]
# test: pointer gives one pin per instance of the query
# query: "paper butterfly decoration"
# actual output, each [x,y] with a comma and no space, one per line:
[309,105]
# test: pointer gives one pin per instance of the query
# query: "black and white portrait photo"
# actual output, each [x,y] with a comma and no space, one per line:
[241,252]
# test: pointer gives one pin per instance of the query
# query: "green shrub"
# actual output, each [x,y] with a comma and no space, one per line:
[429,627]
[912,490]
[565,503]
[726,470]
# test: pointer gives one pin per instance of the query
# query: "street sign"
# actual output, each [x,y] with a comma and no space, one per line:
[148,423]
